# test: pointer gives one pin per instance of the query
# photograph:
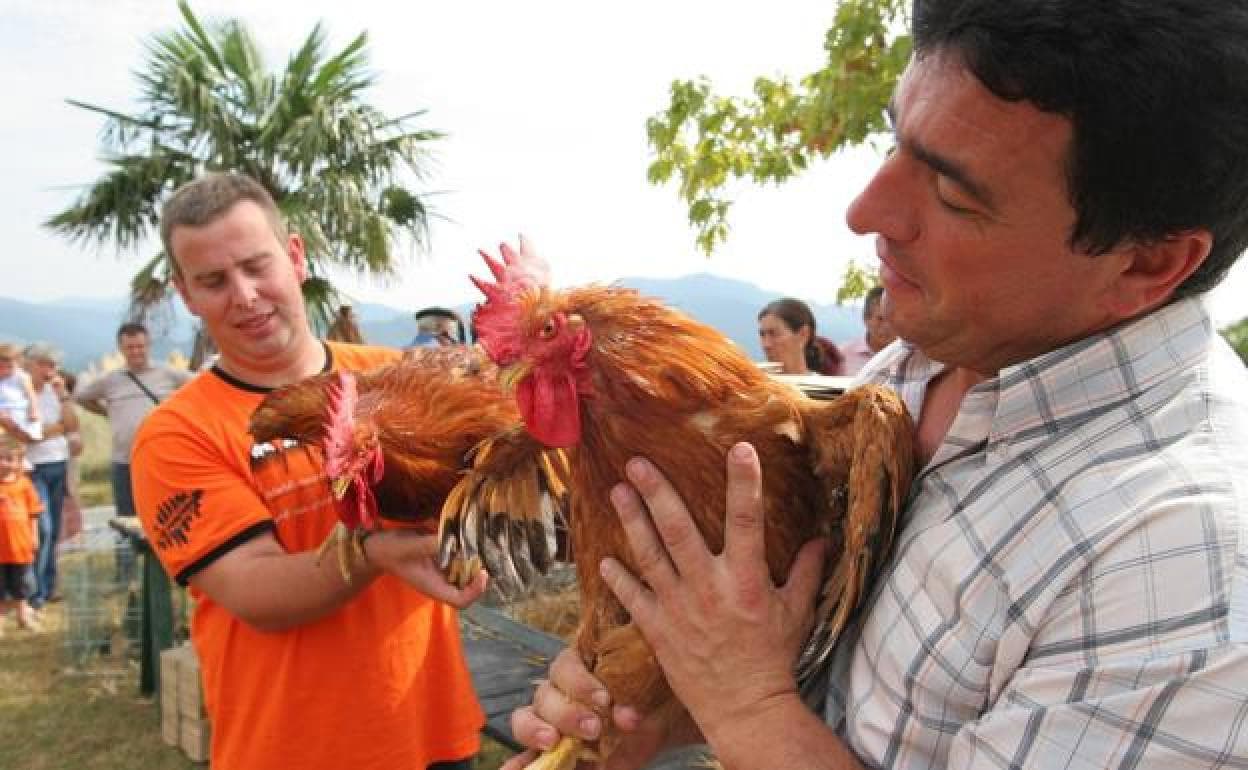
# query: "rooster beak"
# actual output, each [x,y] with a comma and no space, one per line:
[514,374]
[339,487]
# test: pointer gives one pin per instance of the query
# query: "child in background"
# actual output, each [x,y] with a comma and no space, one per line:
[17,392]
[19,532]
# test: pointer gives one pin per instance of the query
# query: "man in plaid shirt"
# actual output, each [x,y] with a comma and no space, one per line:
[1069,588]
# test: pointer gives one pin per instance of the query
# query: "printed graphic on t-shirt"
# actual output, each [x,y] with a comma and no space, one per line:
[175,517]
[290,477]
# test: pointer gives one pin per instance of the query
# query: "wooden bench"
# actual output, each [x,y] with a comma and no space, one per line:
[505,657]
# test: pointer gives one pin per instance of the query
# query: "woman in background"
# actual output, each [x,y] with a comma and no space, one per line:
[786,329]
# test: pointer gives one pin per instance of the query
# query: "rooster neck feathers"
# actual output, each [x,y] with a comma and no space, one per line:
[353,466]
[339,442]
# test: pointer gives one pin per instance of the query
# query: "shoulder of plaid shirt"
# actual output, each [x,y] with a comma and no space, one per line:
[1070,584]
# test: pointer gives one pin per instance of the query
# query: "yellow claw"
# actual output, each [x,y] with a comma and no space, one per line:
[348,549]
[564,756]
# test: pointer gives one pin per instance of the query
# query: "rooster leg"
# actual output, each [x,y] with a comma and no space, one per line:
[564,756]
[348,549]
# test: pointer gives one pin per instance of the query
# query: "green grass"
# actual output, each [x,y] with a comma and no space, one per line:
[95,463]
[56,716]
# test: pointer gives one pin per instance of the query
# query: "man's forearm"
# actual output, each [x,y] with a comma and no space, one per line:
[273,590]
[69,416]
[781,735]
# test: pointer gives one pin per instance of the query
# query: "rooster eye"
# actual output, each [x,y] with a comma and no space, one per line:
[548,329]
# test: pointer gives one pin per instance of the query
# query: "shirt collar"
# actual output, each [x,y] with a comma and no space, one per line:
[1045,394]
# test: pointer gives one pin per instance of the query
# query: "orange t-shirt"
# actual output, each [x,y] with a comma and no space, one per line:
[19,505]
[380,683]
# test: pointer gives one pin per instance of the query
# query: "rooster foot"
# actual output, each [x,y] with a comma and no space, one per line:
[461,572]
[564,756]
[348,547]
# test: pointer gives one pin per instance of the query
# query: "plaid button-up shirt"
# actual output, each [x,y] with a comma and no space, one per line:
[1070,586]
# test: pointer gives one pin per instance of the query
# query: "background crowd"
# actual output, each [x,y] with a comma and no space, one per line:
[41,441]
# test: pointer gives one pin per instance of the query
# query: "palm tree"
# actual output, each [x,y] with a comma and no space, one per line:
[333,163]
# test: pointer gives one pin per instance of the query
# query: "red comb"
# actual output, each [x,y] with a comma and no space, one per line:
[519,271]
[497,320]
[340,418]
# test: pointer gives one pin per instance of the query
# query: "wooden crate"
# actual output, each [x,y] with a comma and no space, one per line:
[196,739]
[190,691]
[170,663]
[183,719]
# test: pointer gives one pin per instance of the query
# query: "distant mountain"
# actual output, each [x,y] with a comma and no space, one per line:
[87,330]
[732,307]
[84,327]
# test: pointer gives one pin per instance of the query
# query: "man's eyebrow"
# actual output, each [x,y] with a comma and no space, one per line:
[947,167]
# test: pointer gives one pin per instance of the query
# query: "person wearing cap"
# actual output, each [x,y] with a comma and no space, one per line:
[49,458]
[437,327]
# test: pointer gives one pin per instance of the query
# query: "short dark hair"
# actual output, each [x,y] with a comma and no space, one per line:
[1156,92]
[207,198]
[130,329]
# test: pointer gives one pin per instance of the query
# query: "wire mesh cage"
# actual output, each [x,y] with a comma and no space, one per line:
[99,579]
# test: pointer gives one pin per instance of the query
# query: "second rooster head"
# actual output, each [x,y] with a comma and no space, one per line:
[540,343]
[353,456]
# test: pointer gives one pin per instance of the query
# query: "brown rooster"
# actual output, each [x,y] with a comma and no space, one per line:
[611,375]
[397,441]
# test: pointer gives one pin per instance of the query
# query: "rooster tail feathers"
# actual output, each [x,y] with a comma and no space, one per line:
[880,461]
[503,514]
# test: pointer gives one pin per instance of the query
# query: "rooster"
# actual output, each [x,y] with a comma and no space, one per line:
[398,441]
[609,375]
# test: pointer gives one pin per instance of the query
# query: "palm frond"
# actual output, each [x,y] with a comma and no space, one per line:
[336,165]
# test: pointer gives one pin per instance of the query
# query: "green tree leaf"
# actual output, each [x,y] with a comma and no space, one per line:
[704,141]
[1237,335]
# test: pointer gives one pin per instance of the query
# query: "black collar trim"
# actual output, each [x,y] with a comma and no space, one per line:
[233,381]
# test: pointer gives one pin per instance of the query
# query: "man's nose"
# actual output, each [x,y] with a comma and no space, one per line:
[886,205]
[243,292]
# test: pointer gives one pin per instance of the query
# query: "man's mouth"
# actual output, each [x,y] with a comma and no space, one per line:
[254,323]
[890,276]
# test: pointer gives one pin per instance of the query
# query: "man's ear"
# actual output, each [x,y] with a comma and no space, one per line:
[298,257]
[1154,270]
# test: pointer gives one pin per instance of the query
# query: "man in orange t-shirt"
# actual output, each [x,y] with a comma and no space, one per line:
[300,668]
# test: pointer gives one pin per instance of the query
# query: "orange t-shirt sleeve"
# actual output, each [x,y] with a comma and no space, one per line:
[194,504]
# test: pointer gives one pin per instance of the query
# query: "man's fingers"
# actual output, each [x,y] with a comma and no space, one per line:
[744,546]
[555,715]
[671,518]
[648,551]
[805,577]
[437,587]
[531,730]
[569,675]
[519,761]
[635,597]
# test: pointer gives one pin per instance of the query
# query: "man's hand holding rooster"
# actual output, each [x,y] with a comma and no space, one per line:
[412,557]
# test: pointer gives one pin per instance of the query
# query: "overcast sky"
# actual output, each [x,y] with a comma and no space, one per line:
[544,102]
